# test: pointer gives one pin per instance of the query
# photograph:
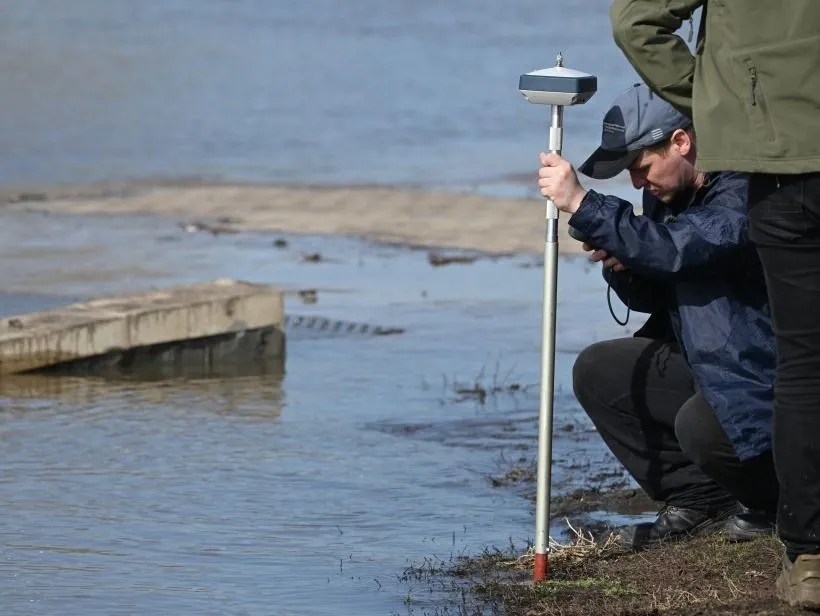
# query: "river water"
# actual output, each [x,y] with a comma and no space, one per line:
[415,92]
[309,490]
[306,491]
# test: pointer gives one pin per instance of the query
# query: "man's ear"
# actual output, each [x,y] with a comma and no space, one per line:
[682,141]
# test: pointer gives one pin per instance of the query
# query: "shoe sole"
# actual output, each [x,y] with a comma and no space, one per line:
[734,535]
[706,527]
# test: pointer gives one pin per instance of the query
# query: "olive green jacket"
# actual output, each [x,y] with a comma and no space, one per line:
[753,86]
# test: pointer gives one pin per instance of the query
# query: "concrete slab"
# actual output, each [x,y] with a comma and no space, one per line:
[207,324]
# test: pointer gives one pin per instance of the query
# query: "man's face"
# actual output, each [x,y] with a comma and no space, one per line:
[665,174]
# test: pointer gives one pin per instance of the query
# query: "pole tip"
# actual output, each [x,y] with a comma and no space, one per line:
[541,569]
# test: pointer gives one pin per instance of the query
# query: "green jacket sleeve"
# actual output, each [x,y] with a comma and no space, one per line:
[645,31]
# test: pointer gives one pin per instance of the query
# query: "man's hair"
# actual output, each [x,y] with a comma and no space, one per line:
[662,148]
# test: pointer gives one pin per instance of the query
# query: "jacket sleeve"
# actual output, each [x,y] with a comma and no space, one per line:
[640,293]
[706,234]
[645,31]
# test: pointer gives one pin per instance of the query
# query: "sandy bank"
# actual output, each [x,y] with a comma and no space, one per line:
[436,219]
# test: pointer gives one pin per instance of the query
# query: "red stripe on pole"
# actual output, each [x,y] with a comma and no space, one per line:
[542,567]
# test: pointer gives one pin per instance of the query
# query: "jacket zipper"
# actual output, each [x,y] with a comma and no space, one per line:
[753,75]
[759,100]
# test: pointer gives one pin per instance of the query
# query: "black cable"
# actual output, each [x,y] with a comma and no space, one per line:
[582,238]
[628,299]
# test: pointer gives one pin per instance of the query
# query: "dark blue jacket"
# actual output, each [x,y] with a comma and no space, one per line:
[693,263]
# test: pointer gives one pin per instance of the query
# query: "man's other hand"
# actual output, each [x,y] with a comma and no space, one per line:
[602,255]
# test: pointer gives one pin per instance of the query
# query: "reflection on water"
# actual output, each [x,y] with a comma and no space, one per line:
[120,494]
[231,390]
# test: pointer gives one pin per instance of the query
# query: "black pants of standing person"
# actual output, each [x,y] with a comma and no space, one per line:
[641,396]
[784,220]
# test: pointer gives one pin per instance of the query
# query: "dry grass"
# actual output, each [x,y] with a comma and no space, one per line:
[581,548]
[704,575]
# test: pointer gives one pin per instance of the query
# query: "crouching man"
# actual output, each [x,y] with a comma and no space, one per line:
[686,404]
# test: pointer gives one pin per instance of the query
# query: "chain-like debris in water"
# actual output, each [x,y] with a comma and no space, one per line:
[338,326]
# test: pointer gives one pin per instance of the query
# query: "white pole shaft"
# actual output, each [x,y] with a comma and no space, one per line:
[542,503]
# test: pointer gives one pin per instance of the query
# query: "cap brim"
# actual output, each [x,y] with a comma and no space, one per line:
[606,164]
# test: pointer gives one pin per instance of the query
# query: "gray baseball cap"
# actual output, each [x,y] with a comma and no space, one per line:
[639,118]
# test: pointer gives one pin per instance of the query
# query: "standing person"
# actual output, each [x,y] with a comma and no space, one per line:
[753,90]
[686,404]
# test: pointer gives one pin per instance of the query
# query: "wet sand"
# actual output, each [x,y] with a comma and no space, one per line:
[422,218]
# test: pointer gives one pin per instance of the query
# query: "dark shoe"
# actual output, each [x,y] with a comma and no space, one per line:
[799,582]
[673,523]
[749,524]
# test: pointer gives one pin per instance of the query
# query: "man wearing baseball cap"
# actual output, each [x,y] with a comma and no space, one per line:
[686,403]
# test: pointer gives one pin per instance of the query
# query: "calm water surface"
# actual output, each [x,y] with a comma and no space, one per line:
[320,91]
[306,491]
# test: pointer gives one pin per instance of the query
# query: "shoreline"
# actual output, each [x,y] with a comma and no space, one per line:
[416,217]
[591,573]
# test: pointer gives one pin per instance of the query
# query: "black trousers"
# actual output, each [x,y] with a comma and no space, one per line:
[784,220]
[641,396]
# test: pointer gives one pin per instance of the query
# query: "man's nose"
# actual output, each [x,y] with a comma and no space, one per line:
[638,180]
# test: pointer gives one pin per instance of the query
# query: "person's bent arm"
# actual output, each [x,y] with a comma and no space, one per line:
[709,234]
[645,31]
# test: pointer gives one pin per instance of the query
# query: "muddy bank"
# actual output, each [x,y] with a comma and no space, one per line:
[414,217]
[702,576]
[608,491]
[591,573]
